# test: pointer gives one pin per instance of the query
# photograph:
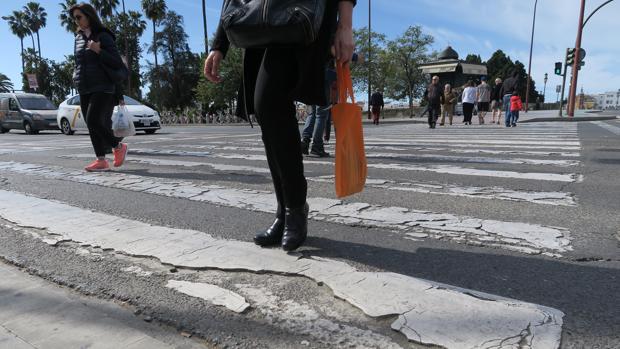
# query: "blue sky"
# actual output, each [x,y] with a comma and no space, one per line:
[469,26]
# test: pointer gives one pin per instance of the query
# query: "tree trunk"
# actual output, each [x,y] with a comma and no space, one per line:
[22,55]
[39,44]
[155,46]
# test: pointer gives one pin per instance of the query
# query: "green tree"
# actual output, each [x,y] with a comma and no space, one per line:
[65,19]
[475,59]
[177,78]
[155,10]
[223,96]
[407,52]
[132,27]
[359,71]
[19,27]
[106,8]
[5,83]
[37,19]
[499,66]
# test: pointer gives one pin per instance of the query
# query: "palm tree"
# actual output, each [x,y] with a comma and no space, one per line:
[65,19]
[5,83]
[105,7]
[155,10]
[37,19]
[19,27]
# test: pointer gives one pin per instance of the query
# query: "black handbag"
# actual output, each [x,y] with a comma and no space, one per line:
[272,23]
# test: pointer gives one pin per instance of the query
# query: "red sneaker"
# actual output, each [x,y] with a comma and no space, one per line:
[119,155]
[98,166]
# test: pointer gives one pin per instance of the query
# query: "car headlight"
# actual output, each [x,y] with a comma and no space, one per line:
[37,117]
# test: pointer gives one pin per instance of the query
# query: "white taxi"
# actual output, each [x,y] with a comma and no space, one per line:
[70,118]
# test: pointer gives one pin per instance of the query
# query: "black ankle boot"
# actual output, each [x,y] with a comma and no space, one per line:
[272,235]
[295,227]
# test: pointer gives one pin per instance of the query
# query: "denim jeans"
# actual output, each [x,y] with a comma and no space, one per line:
[507,114]
[315,126]
[514,117]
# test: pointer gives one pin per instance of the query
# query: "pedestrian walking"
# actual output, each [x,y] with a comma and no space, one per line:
[515,106]
[96,57]
[447,105]
[469,100]
[376,105]
[314,129]
[509,86]
[433,95]
[484,99]
[273,78]
[496,101]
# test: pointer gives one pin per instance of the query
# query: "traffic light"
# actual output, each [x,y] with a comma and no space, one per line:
[570,56]
[558,68]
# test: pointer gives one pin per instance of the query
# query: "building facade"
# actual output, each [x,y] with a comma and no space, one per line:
[608,100]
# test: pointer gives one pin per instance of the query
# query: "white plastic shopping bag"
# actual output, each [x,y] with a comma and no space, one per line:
[122,125]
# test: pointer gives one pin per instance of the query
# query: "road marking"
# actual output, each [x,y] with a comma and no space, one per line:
[428,312]
[611,128]
[484,160]
[211,293]
[516,236]
[474,142]
[445,169]
[435,188]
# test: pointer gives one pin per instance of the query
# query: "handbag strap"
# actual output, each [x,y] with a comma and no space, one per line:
[345,84]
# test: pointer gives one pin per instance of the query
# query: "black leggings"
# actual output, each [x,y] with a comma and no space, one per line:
[468,111]
[97,109]
[275,112]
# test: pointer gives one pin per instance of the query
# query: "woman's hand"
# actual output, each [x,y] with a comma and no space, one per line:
[212,66]
[94,46]
[343,43]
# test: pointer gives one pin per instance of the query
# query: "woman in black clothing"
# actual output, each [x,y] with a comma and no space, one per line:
[273,79]
[94,49]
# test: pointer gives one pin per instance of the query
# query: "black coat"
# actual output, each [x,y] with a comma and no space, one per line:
[311,87]
[89,75]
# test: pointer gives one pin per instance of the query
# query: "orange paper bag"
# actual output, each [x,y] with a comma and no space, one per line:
[350,157]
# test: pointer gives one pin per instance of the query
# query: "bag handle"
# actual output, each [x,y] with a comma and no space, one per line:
[345,84]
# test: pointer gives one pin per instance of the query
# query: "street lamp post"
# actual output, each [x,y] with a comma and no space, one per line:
[204,25]
[529,69]
[545,88]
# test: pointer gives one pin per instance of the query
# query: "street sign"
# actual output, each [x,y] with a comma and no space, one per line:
[32,81]
[558,89]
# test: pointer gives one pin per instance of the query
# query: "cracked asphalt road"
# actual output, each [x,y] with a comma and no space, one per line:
[582,283]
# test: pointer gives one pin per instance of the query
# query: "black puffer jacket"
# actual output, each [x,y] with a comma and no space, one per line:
[89,75]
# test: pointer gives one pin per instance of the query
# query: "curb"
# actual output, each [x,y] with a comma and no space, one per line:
[573,119]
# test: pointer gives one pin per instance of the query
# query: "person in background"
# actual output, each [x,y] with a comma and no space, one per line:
[469,100]
[376,105]
[515,106]
[434,95]
[496,101]
[509,86]
[448,103]
[95,51]
[273,79]
[484,98]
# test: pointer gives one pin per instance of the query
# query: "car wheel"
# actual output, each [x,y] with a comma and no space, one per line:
[150,132]
[29,129]
[65,127]
[4,130]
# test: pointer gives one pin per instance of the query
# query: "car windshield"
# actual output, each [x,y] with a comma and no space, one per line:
[36,103]
[131,101]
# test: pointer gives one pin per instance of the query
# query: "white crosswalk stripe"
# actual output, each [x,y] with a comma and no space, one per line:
[400,160]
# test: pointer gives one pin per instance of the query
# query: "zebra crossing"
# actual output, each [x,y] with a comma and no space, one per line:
[529,166]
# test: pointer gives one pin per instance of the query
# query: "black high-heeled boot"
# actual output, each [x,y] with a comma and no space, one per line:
[295,227]
[272,235]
